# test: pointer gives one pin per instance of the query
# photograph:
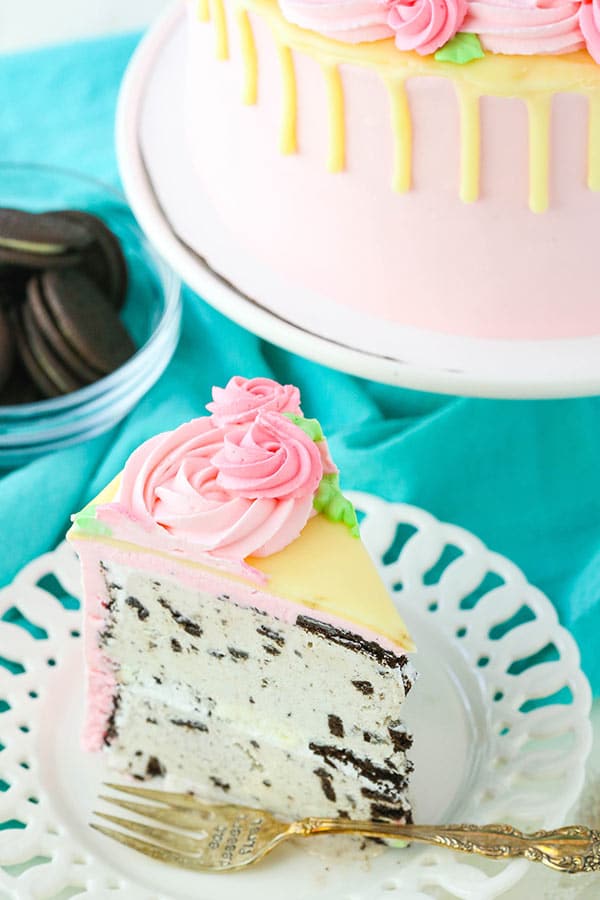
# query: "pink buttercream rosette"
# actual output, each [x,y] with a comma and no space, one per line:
[351,21]
[235,484]
[425,25]
[235,492]
[589,20]
[243,398]
[525,27]
[517,27]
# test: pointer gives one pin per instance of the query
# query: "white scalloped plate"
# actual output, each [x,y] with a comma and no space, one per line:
[482,752]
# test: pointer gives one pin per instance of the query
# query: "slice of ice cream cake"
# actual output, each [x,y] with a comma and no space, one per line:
[239,639]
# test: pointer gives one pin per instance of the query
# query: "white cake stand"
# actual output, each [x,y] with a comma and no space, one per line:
[168,200]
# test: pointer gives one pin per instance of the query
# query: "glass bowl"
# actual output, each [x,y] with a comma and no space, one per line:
[152,314]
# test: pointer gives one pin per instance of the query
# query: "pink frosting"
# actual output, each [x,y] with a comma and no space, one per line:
[273,458]
[526,26]
[244,490]
[352,21]
[100,676]
[520,27]
[243,398]
[329,467]
[425,25]
[589,20]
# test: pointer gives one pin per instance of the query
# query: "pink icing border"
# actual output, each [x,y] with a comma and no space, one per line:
[118,518]
[100,676]
[515,27]
[589,20]
[425,25]
[503,26]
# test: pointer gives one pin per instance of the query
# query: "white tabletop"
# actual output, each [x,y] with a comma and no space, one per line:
[30,23]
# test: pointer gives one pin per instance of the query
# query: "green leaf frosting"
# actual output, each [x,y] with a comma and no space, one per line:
[311,427]
[461,49]
[330,501]
[86,521]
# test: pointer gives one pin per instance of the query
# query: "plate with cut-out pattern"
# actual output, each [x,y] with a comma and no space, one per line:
[500,716]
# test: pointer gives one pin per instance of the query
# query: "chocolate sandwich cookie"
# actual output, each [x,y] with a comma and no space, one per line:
[54,369]
[30,363]
[40,240]
[7,353]
[63,276]
[86,319]
[42,319]
[103,260]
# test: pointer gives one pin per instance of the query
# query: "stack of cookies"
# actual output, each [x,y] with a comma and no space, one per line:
[63,280]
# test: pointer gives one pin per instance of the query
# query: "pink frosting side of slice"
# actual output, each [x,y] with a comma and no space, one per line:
[100,678]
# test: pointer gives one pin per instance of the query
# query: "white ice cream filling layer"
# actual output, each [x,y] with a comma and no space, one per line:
[244,707]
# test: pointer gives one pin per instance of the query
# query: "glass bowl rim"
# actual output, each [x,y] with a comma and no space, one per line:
[60,428]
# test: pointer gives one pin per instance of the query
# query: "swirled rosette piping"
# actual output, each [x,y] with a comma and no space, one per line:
[519,27]
[352,21]
[589,18]
[237,492]
[425,25]
[243,398]
[242,482]
[523,28]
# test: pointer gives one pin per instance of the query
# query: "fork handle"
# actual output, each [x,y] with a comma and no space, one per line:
[574,848]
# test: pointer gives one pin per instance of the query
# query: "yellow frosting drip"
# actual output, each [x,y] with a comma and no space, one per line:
[249,57]
[203,11]
[532,79]
[539,109]
[220,22]
[325,569]
[594,145]
[288,142]
[470,143]
[402,132]
[337,132]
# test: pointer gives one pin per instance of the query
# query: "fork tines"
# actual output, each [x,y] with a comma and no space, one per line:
[220,837]
[182,811]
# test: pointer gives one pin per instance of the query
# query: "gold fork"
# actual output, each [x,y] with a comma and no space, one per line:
[228,838]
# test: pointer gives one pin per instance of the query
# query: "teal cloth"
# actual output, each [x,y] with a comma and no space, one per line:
[523,476]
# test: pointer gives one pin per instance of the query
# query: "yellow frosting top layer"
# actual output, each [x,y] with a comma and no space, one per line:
[329,570]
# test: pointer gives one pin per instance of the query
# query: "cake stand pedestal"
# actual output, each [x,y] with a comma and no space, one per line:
[166,194]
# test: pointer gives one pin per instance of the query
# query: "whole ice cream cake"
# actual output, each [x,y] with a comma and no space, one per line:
[239,639]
